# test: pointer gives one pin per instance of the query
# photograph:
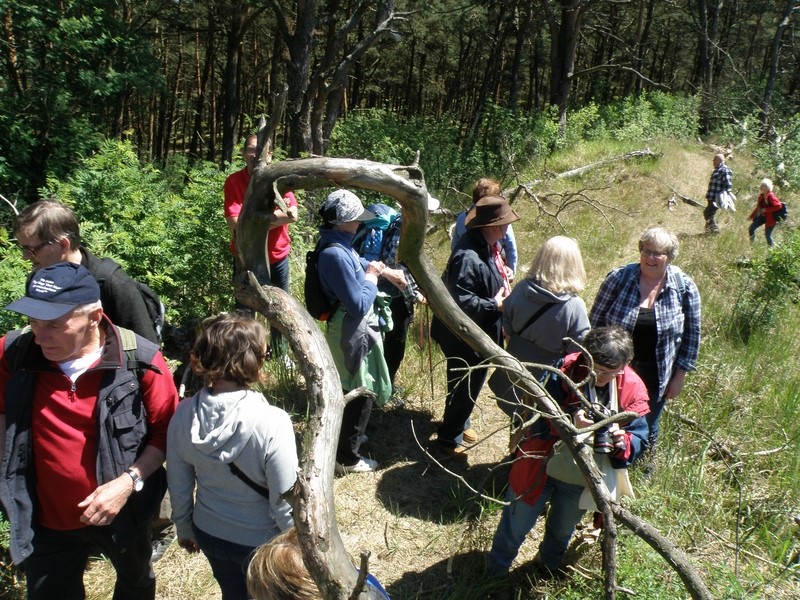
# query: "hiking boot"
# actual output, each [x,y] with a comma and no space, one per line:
[470,436]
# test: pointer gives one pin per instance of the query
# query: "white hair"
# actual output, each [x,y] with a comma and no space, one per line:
[767,183]
[85,309]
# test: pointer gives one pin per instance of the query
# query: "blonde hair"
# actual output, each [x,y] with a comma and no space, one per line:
[558,266]
[767,183]
[277,571]
[660,239]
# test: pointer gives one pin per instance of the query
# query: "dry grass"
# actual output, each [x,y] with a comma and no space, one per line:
[427,532]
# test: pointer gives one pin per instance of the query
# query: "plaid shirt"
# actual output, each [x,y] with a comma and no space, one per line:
[677,320]
[721,181]
[391,241]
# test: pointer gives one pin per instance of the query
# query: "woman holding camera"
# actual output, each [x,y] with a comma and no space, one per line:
[660,306]
[532,484]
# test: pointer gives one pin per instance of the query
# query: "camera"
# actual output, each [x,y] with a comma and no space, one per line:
[603,440]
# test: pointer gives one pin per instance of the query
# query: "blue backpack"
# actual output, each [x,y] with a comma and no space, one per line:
[368,241]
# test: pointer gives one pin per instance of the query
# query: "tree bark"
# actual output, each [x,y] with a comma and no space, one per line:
[564,38]
[774,56]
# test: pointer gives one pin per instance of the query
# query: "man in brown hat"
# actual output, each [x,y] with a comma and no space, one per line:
[477,282]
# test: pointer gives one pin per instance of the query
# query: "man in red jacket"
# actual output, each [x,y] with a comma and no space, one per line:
[278,241]
[84,411]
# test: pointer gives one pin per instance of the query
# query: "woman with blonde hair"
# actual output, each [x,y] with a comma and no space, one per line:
[542,311]
[767,205]
[277,572]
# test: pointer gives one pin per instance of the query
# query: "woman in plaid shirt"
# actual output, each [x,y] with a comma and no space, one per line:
[660,306]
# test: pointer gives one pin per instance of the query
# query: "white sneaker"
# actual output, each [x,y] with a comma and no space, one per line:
[364,465]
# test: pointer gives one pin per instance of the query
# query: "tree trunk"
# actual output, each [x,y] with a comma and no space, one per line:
[564,38]
[231,98]
[201,82]
[774,56]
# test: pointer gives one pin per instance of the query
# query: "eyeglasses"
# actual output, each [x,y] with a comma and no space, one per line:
[605,372]
[652,253]
[32,250]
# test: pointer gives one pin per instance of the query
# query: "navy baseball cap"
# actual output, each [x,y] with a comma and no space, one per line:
[55,290]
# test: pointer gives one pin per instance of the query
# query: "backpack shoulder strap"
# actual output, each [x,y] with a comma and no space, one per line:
[138,358]
[249,482]
[681,283]
[105,269]
[535,316]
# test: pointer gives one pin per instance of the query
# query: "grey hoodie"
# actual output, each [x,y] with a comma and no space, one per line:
[541,341]
[207,433]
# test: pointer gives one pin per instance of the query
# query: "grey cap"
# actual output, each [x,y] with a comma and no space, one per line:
[343,206]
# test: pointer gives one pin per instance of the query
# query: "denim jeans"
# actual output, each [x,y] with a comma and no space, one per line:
[653,418]
[228,562]
[55,569]
[279,277]
[519,518]
[758,221]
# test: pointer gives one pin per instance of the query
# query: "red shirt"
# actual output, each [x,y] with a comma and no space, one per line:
[65,434]
[278,241]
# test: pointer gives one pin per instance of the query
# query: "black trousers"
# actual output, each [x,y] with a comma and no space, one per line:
[354,423]
[55,569]
[394,343]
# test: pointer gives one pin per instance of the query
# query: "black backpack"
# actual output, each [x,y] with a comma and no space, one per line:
[155,308]
[782,214]
[318,304]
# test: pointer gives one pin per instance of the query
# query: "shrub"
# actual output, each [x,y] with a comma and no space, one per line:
[171,236]
[766,289]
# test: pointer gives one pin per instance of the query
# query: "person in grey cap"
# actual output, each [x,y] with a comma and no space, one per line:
[84,411]
[351,283]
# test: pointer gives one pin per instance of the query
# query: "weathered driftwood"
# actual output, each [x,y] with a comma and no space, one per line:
[312,496]
[313,501]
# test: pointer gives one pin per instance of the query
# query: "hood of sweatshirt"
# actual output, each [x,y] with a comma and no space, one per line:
[220,426]
[536,293]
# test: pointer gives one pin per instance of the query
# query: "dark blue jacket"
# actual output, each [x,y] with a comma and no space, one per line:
[473,280]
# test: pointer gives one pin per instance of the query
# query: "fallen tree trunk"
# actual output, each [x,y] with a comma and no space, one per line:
[635,154]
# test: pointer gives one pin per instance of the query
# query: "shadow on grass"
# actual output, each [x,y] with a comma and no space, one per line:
[412,484]
[464,577]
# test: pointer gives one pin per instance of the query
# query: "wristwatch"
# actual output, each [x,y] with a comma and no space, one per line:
[138,482]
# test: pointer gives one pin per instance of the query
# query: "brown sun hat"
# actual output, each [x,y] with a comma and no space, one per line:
[490,211]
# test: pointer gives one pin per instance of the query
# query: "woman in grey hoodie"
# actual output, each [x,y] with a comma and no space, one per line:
[235,449]
[541,311]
